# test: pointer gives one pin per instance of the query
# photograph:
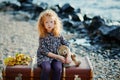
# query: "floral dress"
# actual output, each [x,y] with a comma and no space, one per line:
[49,44]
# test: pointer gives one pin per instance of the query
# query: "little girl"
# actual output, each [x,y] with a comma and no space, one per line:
[49,27]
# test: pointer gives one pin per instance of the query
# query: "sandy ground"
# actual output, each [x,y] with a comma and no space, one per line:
[17,36]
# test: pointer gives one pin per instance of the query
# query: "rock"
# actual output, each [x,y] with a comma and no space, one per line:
[38,9]
[27,7]
[77,17]
[7,6]
[112,32]
[87,23]
[67,24]
[105,30]
[101,33]
[78,10]
[81,28]
[56,8]
[67,8]
[43,5]
[73,26]
[25,1]
[22,16]
[97,21]
[86,18]
[115,32]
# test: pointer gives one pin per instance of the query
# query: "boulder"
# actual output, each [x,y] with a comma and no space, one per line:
[86,18]
[77,17]
[8,6]
[43,5]
[97,21]
[110,31]
[67,8]
[67,24]
[22,16]
[74,26]
[56,8]
[78,10]
[25,1]
[27,7]
[38,9]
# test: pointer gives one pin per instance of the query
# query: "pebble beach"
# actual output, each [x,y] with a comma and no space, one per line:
[22,36]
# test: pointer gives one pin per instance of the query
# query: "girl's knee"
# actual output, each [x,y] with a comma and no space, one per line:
[46,66]
[58,68]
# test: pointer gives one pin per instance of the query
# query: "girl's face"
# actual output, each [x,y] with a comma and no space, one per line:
[49,24]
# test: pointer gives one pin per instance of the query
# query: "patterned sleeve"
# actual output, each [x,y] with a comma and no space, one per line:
[42,47]
[64,42]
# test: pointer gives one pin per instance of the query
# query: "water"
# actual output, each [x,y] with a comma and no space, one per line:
[107,9]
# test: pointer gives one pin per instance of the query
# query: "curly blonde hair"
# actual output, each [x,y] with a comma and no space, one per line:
[57,23]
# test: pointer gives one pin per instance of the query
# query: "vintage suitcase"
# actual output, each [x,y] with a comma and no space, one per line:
[24,72]
[83,72]
[21,72]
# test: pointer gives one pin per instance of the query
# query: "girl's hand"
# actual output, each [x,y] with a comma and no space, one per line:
[62,59]
[67,60]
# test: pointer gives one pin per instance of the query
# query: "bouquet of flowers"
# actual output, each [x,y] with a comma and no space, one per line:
[18,59]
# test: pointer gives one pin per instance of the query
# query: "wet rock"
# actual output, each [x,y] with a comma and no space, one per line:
[67,24]
[38,9]
[86,18]
[81,28]
[43,5]
[22,16]
[73,26]
[25,1]
[112,32]
[87,23]
[77,17]
[56,8]
[97,21]
[105,30]
[27,7]
[8,6]
[78,10]
[67,8]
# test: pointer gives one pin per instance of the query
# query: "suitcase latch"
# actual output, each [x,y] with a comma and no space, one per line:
[18,77]
[77,78]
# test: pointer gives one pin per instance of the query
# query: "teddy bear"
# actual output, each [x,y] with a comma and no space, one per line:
[65,51]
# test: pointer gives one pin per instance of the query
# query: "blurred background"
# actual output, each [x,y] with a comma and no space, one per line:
[108,9]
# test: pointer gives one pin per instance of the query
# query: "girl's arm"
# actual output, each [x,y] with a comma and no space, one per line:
[42,47]
[64,42]
[55,56]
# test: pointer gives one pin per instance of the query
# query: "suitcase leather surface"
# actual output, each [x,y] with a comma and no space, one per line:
[84,71]
[11,72]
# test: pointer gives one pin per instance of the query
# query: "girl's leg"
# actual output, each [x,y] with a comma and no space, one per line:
[46,68]
[57,69]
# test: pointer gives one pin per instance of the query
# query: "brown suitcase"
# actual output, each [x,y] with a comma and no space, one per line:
[84,71]
[23,72]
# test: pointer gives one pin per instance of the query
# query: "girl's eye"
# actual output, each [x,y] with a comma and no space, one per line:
[51,21]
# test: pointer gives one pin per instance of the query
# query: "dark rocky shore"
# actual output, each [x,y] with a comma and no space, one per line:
[94,37]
